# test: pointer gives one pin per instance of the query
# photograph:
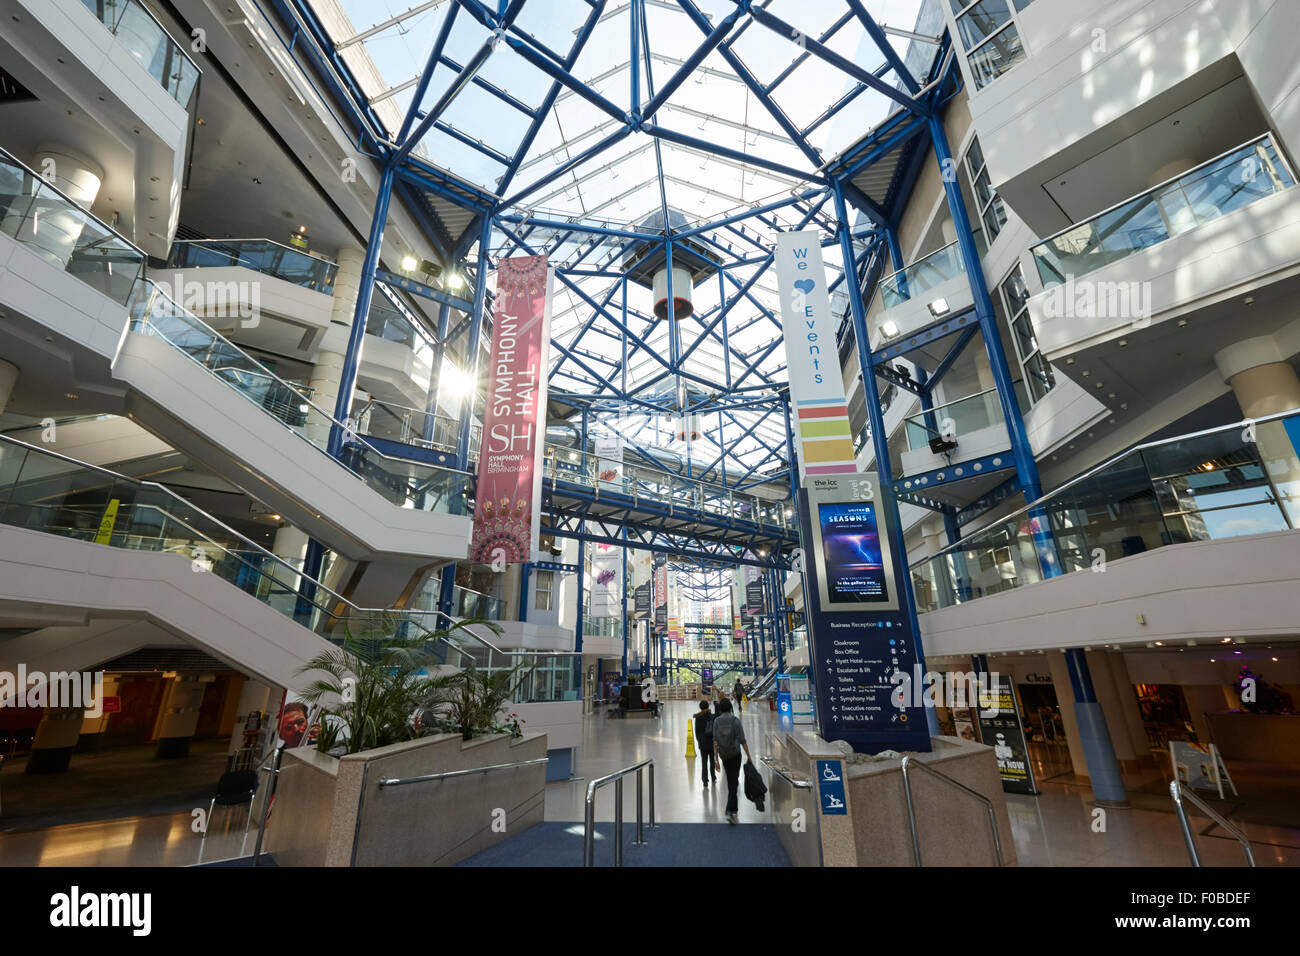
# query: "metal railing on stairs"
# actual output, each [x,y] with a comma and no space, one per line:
[1179,792]
[909,762]
[616,778]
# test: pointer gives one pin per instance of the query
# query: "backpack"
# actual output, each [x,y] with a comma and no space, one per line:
[726,734]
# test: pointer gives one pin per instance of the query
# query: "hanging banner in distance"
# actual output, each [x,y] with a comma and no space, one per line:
[509,491]
[819,412]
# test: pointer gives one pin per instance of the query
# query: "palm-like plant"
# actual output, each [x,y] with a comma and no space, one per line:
[377,684]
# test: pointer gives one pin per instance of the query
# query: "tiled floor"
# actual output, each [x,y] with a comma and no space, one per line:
[1055,828]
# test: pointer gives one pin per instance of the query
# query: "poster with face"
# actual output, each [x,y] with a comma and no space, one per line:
[297,724]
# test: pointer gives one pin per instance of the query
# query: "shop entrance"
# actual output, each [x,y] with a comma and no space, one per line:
[1040,713]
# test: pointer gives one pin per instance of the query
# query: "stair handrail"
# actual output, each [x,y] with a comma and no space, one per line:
[909,761]
[616,778]
[1180,791]
[335,598]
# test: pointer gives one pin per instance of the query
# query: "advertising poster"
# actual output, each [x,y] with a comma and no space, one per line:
[606,580]
[1199,766]
[661,596]
[1005,734]
[609,461]
[823,439]
[855,569]
[508,494]
[642,605]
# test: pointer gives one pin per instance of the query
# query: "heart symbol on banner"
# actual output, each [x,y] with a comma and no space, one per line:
[805,285]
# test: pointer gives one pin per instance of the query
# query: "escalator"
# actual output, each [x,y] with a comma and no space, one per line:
[75,302]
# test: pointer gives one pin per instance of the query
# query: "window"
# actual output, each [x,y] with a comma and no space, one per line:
[544,585]
[992,212]
[1035,370]
[990,36]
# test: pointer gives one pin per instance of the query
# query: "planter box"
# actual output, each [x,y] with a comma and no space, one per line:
[332,812]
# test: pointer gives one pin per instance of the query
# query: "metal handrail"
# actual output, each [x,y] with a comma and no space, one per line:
[254,547]
[1158,186]
[964,542]
[233,242]
[1178,791]
[589,832]
[425,778]
[911,810]
[261,369]
[798,783]
[917,262]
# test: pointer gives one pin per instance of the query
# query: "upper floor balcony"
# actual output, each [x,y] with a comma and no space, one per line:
[931,288]
[265,256]
[1208,486]
[149,44]
[1231,224]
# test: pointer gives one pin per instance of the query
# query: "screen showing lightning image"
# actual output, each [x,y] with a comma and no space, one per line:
[855,570]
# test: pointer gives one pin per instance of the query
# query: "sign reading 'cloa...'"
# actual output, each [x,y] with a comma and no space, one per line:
[823,439]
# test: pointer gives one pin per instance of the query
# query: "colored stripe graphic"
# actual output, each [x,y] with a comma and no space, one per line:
[829,411]
[828,450]
[846,469]
[831,428]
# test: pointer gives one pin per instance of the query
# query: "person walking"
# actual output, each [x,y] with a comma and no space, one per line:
[704,740]
[728,741]
[736,693]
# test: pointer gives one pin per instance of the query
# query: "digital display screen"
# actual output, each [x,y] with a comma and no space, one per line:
[855,569]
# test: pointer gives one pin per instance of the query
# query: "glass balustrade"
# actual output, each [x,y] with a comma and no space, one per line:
[46,492]
[410,426]
[663,488]
[260,255]
[408,484]
[151,45]
[50,224]
[921,276]
[966,415]
[1214,189]
[1203,487]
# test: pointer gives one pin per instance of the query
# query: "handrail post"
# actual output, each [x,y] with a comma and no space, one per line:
[911,812]
[1176,792]
[589,835]
[618,822]
[653,825]
[640,839]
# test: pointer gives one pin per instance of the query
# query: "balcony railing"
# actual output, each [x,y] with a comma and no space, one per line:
[921,276]
[51,493]
[1201,487]
[1225,184]
[151,45]
[664,489]
[58,230]
[260,255]
[405,483]
[969,414]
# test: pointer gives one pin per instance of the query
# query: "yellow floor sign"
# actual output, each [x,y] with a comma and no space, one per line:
[690,739]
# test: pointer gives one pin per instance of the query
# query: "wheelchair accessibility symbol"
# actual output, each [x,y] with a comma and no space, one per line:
[830,780]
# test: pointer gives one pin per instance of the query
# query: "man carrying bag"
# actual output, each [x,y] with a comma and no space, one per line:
[728,741]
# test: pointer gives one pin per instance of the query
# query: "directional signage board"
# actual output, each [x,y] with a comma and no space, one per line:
[859,629]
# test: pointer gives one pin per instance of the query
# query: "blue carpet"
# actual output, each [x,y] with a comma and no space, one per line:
[669,844]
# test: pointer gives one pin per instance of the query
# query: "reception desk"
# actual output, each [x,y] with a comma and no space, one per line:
[1241,735]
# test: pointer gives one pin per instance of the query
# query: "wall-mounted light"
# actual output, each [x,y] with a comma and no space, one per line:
[889,327]
[939,307]
[409,263]
[456,280]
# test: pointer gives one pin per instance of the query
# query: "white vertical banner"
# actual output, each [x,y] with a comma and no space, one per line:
[609,461]
[606,581]
[819,413]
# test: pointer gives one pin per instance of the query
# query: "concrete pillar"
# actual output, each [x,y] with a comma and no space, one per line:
[328,373]
[1094,735]
[291,544]
[8,379]
[1112,705]
[1205,699]
[1129,709]
[56,738]
[259,701]
[79,178]
[1064,695]
[179,715]
[92,728]
[1265,383]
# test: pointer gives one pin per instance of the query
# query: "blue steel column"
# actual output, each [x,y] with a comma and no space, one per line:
[879,439]
[626,614]
[1021,451]
[1094,735]
[356,335]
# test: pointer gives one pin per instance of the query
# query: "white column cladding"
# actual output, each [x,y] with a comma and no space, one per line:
[328,372]
[1065,704]
[1103,684]
[54,232]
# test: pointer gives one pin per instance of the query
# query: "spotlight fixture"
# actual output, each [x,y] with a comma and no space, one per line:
[939,307]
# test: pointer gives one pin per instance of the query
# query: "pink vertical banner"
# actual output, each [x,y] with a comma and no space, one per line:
[509,491]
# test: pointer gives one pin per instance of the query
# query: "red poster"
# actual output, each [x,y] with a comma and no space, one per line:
[509,469]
